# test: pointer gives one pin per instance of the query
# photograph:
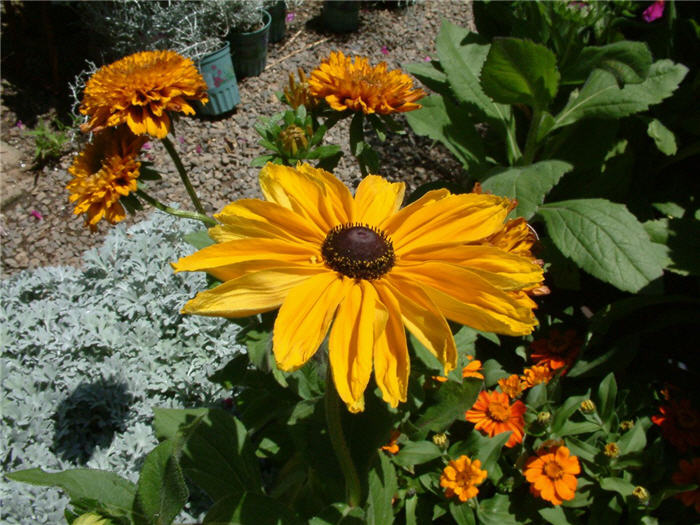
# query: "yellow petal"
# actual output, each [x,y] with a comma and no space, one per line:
[304,318]
[467,298]
[392,365]
[256,218]
[423,319]
[313,193]
[455,219]
[392,223]
[249,294]
[377,199]
[351,342]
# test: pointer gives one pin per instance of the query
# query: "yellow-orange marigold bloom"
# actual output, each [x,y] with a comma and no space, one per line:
[552,474]
[461,476]
[535,375]
[680,424]
[103,172]
[139,90]
[511,385]
[556,351]
[493,414]
[366,267]
[688,474]
[358,86]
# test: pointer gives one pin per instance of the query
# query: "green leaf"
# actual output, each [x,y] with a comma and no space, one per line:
[434,78]
[495,511]
[249,508]
[581,449]
[453,400]
[678,242]
[443,121]
[573,428]
[484,448]
[663,137]
[520,71]
[417,453]
[601,97]
[199,239]
[635,439]
[382,488]
[161,492]
[566,410]
[113,492]
[462,513]
[339,514]
[628,62]
[528,184]
[604,239]
[554,515]
[607,396]
[623,487]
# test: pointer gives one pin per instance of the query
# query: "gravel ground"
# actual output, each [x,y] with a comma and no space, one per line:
[37,225]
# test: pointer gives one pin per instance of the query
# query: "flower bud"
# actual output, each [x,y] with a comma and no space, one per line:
[293,139]
[544,417]
[587,406]
[441,440]
[612,450]
[626,425]
[640,493]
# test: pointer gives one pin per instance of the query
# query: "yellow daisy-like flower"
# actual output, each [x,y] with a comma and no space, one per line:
[366,267]
[358,86]
[460,478]
[139,90]
[103,172]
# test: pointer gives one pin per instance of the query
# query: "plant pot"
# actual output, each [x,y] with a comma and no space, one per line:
[249,50]
[340,16]
[278,26]
[222,87]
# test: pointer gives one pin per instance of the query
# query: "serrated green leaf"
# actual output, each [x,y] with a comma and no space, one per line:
[382,488]
[628,61]
[528,184]
[604,239]
[663,137]
[518,71]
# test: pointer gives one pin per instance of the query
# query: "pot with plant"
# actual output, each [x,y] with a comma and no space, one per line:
[249,34]
[341,16]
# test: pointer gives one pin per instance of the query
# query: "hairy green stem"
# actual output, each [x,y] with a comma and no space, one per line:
[174,211]
[353,490]
[531,141]
[183,174]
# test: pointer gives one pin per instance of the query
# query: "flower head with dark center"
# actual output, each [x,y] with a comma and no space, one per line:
[556,351]
[139,90]
[363,269]
[460,478]
[552,474]
[680,424]
[493,414]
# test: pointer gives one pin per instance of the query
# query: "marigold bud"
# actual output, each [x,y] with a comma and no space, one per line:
[441,440]
[640,493]
[626,425]
[587,406]
[544,417]
[612,450]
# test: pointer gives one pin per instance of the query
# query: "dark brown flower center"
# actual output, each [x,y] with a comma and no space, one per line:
[358,251]
[553,470]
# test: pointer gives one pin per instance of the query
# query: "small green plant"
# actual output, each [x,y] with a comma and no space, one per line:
[50,137]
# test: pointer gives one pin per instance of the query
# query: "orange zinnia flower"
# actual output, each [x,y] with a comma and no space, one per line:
[535,375]
[556,351]
[461,476]
[493,414]
[391,447]
[103,172]
[473,369]
[552,474]
[689,473]
[355,85]
[511,385]
[680,424]
[139,90]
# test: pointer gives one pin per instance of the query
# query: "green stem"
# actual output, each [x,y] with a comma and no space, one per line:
[353,491]
[174,211]
[531,141]
[183,174]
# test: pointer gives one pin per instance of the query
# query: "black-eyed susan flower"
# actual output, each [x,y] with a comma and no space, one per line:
[356,85]
[461,477]
[106,170]
[139,90]
[367,268]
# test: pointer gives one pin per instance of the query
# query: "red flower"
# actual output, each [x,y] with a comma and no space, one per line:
[689,474]
[680,424]
[556,351]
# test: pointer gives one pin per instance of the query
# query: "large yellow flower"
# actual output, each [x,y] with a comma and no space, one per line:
[360,87]
[367,267]
[139,90]
[103,172]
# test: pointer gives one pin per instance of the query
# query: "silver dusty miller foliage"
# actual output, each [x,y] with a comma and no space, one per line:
[88,353]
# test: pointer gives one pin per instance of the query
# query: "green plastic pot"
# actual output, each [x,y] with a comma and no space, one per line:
[278,25]
[222,87]
[341,16]
[249,50]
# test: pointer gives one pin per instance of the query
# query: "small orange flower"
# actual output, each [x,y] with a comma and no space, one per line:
[689,473]
[511,385]
[556,351]
[355,85]
[493,414]
[461,476]
[680,424]
[552,474]
[139,90]
[391,447]
[473,369]
[535,375]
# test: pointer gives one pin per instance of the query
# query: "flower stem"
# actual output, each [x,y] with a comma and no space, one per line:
[173,211]
[353,491]
[531,140]
[183,174]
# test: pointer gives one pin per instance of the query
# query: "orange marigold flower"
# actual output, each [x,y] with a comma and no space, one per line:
[473,369]
[688,474]
[103,172]
[391,447]
[356,85]
[493,414]
[680,424]
[511,385]
[552,474]
[461,476]
[556,351]
[139,90]
[535,375]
